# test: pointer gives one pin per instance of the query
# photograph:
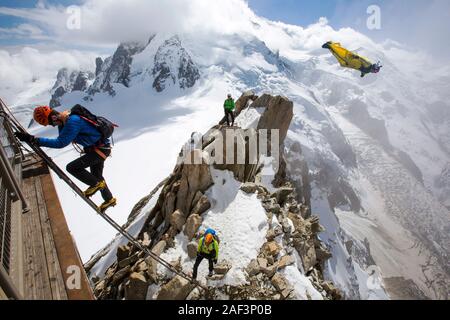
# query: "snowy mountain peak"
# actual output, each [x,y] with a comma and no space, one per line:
[116,69]
[69,81]
[173,64]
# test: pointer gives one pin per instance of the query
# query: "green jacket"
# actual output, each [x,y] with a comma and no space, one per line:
[207,249]
[229,104]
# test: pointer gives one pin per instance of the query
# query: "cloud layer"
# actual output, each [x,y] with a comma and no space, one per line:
[25,68]
[109,22]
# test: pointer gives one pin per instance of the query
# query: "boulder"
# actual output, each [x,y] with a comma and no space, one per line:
[279,282]
[123,252]
[307,252]
[146,240]
[243,101]
[270,235]
[282,194]
[192,249]
[195,294]
[194,178]
[128,261]
[251,187]
[278,114]
[253,268]
[270,270]
[136,287]
[158,249]
[315,225]
[197,197]
[201,206]
[192,224]
[285,261]
[332,291]
[119,275]
[322,253]
[140,266]
[262,262]
[177,220]
[272,248]
[176,289]
[222,268]
[99,287]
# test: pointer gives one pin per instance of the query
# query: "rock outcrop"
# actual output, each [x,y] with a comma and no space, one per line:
[180,207]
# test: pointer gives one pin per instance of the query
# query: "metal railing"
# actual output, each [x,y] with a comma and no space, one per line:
[9,187]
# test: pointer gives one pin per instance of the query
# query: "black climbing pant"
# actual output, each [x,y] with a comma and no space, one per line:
[229,113]
[96,163]
[200,258]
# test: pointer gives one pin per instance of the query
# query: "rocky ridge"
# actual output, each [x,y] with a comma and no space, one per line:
[180,208]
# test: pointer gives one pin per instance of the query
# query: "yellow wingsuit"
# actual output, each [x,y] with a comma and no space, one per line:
[351,60]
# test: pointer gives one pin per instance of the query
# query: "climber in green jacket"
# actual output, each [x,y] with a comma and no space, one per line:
[229,109]
[208,248]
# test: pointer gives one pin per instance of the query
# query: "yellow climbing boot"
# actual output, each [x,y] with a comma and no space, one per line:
[92,190]
[105,205]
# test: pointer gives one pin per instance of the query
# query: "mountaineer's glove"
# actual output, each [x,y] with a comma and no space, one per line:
[215,261]
[25,137]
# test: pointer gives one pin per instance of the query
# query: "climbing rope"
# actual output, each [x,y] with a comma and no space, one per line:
[61,174]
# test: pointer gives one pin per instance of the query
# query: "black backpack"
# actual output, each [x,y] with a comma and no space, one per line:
[103,125]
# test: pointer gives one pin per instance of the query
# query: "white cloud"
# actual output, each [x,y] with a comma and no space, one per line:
[22,69]
[109,21]
[23,31]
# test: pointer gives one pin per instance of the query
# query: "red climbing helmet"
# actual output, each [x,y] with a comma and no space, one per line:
[41,114]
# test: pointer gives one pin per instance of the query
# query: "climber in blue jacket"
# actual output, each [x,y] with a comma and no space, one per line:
[76,129]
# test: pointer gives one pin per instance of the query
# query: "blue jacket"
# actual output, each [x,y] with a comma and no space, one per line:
[75,130]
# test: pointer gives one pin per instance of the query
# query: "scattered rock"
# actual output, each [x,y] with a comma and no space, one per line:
[192,224]
[176,289]
[136,287]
